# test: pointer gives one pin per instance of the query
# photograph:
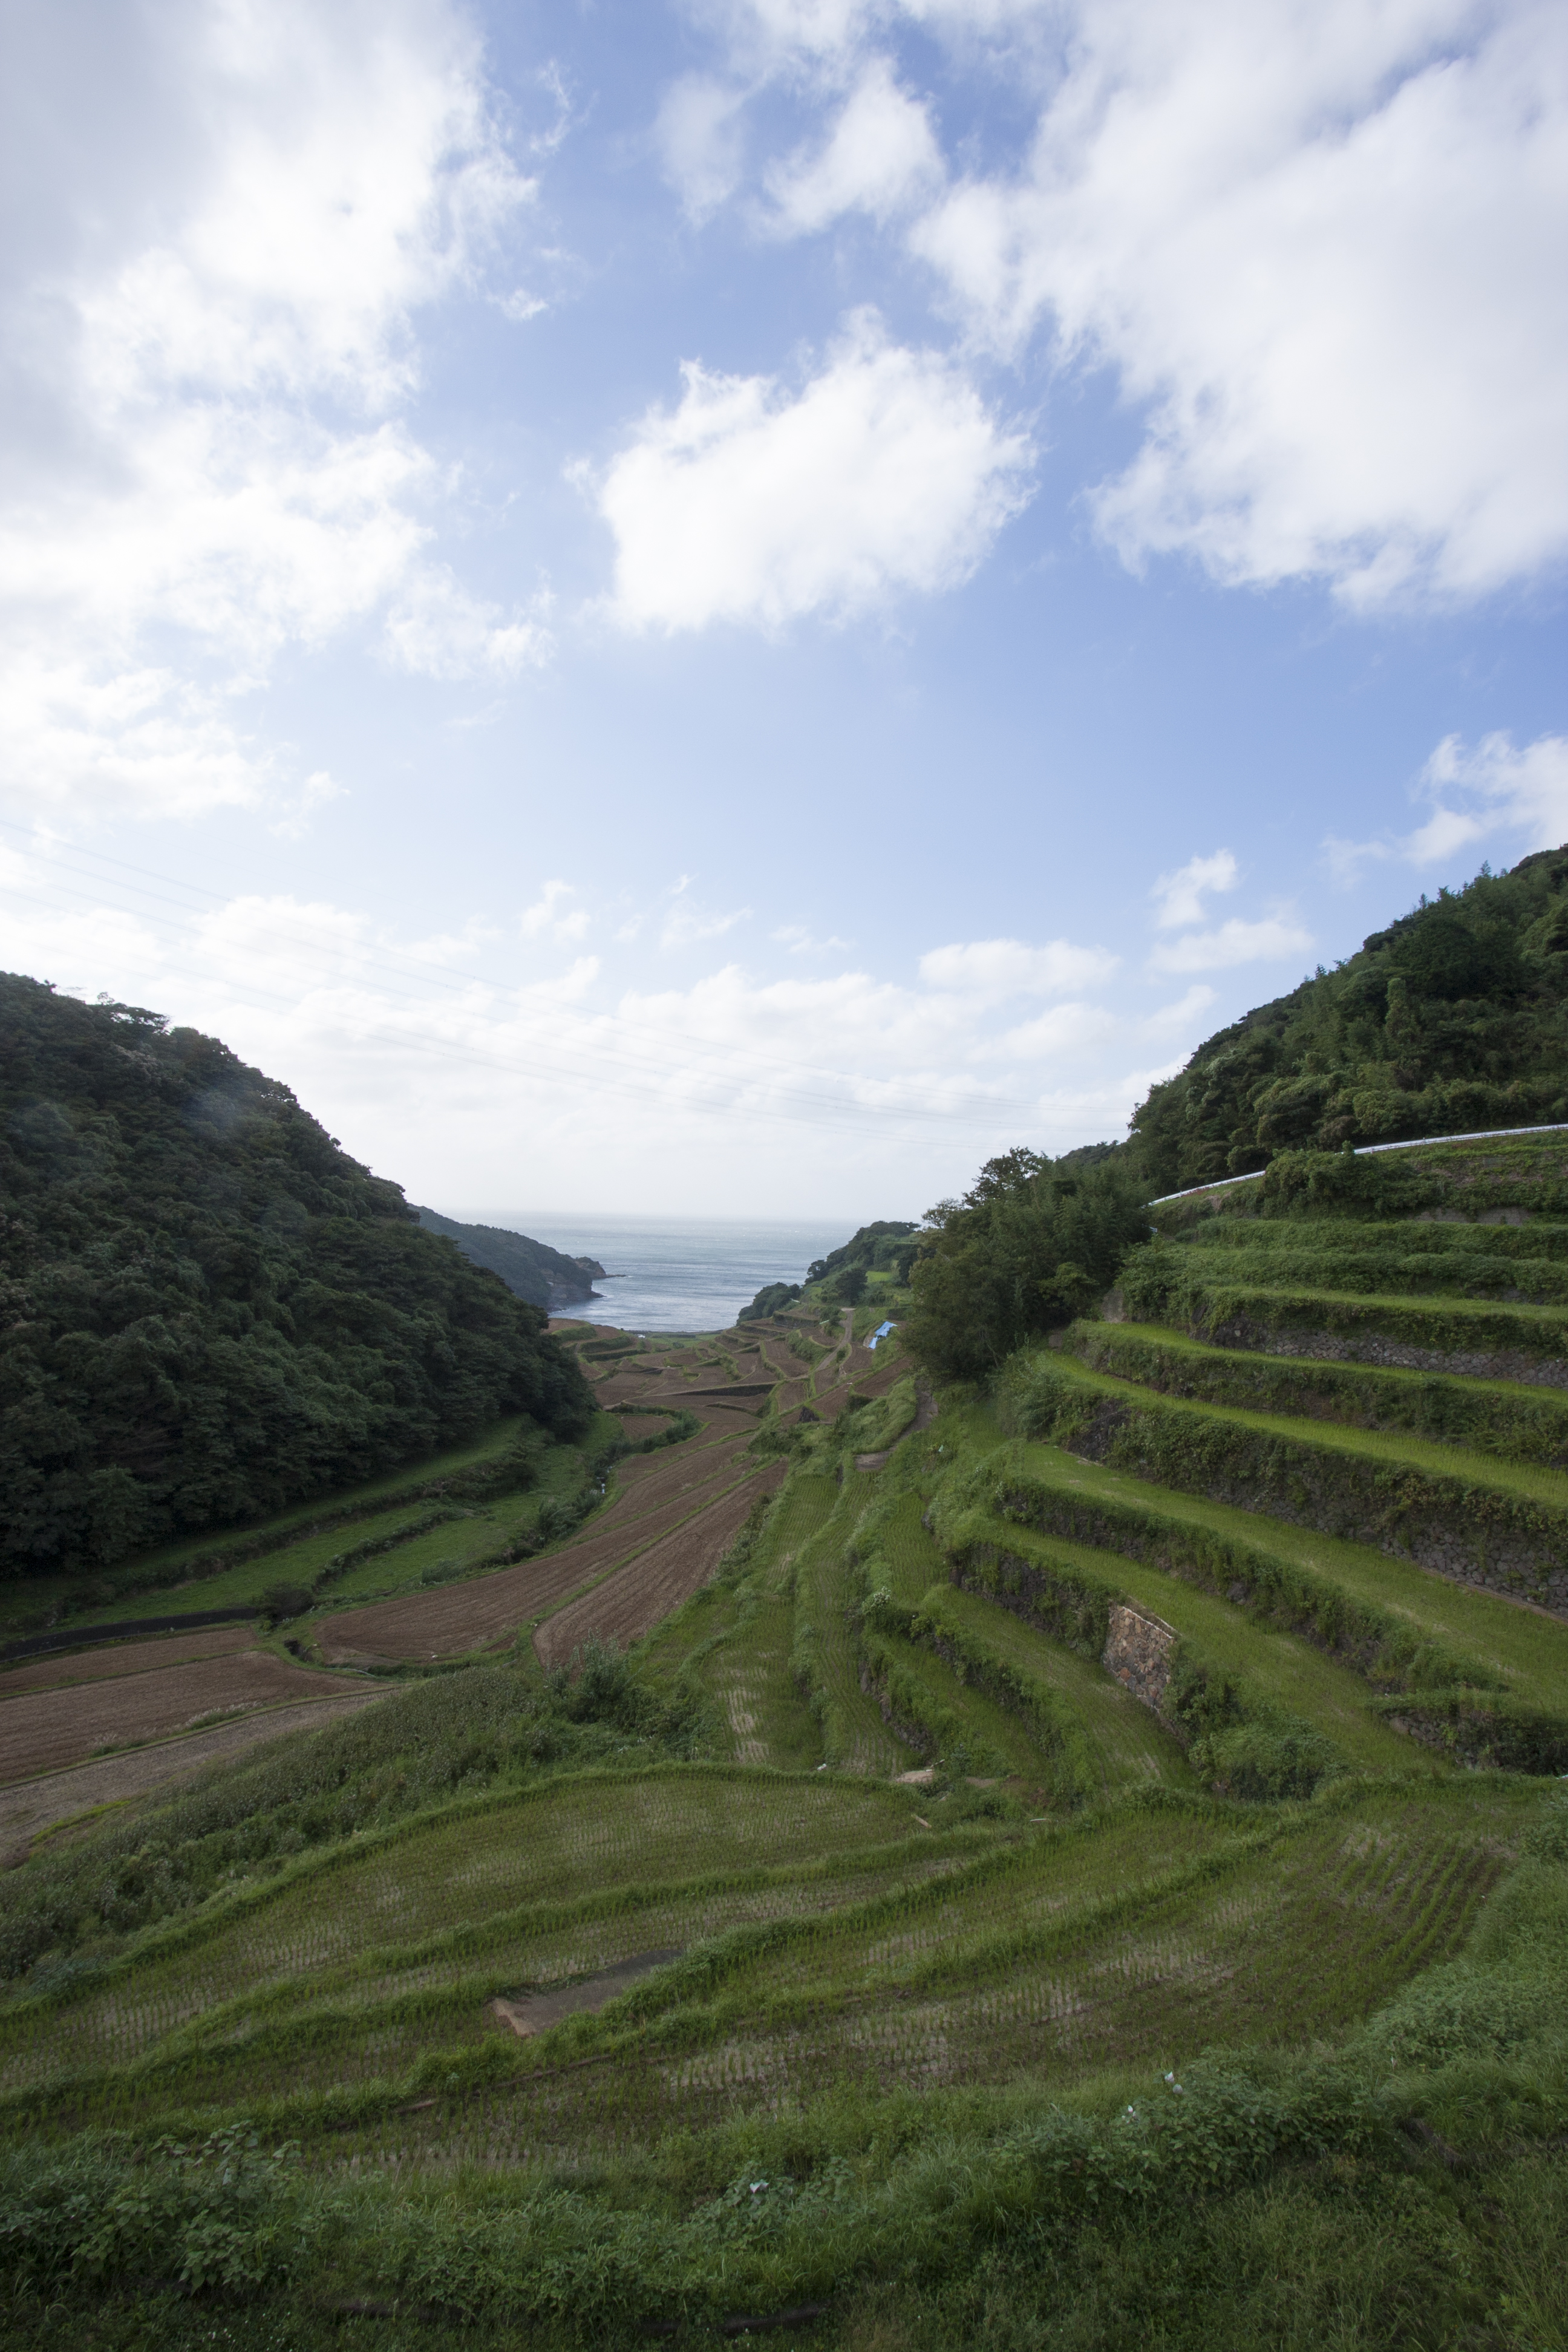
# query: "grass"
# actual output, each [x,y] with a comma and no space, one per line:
[1399,1449]
[1288,1235]
[1128,1747]
[1505,1419]
[1448,1324]
[1319,1262]
[734,1639]
[1526,1649]
[470,1538]
[1282,1666]
[487,1857]
[959,1725]
[824,1659]
[171,1568]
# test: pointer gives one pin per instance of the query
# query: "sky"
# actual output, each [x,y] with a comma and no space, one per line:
[725,607]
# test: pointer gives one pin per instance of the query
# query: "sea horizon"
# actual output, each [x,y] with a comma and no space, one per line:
[672,1273]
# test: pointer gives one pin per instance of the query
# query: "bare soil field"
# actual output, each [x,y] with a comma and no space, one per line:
[627,1605]
[126,1658]
[33,1806]
[461,1617]
[41,1730]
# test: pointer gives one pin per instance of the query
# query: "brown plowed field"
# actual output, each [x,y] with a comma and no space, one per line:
[41,1730]
[126,1658]
[629,1388]
[464,1616]
[34,1805]
[626,1606]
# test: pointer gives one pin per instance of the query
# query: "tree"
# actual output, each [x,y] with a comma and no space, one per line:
[1026,1248]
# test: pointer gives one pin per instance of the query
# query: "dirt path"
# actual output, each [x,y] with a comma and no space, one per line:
[925,1413]
[32,1806]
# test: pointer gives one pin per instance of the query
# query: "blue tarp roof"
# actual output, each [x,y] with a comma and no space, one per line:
[880,1332]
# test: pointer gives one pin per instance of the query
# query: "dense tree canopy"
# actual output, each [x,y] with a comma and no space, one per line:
[1030,1246]
[208,1309]
[1454,1018]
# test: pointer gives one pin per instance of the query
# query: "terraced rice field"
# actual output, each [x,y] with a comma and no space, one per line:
[940,1818]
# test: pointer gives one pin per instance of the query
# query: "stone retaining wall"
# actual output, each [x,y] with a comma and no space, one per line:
[1138,1653]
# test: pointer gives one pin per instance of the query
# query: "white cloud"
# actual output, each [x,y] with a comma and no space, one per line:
[429,1057]
[884,474]
[800,942]
[700,138]
[1234,943]
[1500,787]
[1323,247]
[879,157]
[1317,247]
[208,306]
[1184,1011]
[551,916]
[689,922]
[437,629]
[1181,894]
[994,970]
[1067,1030]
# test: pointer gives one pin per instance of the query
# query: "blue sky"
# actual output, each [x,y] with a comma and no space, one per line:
[725,608]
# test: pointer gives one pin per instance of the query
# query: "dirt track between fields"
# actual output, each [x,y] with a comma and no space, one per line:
[631,1603]
[42,1731]
[32,1806]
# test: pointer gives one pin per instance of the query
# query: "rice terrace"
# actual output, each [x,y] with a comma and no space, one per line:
[1015,1797]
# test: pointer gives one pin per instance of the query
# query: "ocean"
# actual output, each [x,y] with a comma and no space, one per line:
[674,1274]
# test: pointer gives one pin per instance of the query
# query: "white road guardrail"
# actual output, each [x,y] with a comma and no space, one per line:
[1408,1143]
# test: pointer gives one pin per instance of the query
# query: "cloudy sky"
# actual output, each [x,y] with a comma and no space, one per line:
[730,605]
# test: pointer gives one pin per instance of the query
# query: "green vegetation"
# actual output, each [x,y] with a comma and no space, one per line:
[1026,1250]
[889,1246]
[1503,1418]
[1087,1868]
[225,1312]
[531,1269]
[1453,1020]
[1491,1523]
[772,1300]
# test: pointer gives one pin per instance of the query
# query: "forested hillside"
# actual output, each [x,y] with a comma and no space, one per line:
[532,1269]
[209,1308]
[1452,1020]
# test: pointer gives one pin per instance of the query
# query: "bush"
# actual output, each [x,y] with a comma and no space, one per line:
[282,1602]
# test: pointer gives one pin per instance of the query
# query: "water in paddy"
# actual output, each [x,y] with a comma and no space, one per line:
[674,1274]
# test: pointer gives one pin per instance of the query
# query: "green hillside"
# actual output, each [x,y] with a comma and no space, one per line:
[1453,1020]
[212,1310]
[530,1269]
